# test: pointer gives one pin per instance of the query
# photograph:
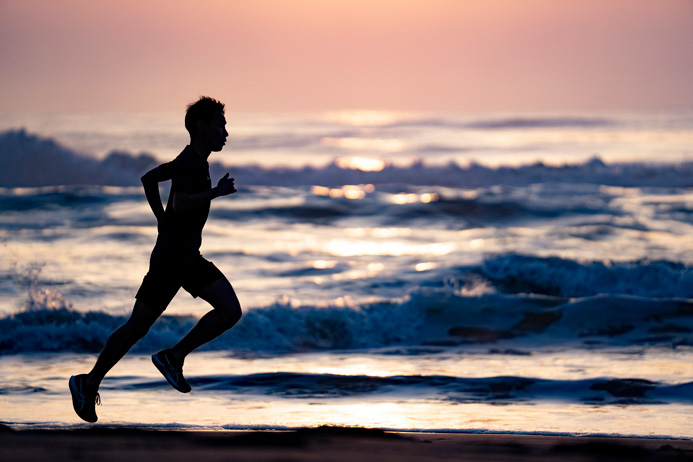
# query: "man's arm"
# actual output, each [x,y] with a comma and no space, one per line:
[185,201]
[150,181]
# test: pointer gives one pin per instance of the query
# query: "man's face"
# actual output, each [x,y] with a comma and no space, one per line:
[214,132]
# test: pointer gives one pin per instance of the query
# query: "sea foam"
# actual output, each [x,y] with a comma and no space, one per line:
[424,318]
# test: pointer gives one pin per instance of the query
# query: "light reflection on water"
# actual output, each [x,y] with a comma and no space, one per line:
[100,267]
[124,402]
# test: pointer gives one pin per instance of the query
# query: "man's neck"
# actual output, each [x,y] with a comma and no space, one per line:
[200,149]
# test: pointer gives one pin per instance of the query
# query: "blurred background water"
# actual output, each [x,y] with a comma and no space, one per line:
[503,272]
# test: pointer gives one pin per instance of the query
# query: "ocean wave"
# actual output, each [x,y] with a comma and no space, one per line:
[594,171]
[569,278]
[31,160]
[428,317]
[386,206]
[448,212]
[602,391]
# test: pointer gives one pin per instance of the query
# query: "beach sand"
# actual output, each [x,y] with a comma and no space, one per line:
[324,444]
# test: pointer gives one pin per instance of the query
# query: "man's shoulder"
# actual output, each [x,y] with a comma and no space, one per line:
[187,155]
[188,160]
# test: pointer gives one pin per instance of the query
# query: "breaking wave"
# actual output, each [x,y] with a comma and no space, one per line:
[431,317]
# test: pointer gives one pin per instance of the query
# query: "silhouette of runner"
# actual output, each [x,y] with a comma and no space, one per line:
[175,261]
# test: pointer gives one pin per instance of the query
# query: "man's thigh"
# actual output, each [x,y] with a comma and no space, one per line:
[158,289]
[200,274]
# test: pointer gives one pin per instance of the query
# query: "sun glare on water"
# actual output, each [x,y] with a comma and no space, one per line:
[347,191]
[360,163]
[343,248]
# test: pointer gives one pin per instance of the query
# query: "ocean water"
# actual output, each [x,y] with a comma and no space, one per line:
[489,273]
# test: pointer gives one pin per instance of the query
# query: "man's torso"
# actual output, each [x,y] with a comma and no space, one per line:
[181,232]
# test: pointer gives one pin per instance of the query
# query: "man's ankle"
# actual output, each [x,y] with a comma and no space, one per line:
[175,356]
[90,384]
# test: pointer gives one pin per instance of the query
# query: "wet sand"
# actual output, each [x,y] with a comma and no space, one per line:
[324,444]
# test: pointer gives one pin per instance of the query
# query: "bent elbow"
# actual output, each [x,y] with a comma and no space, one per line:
[148,179]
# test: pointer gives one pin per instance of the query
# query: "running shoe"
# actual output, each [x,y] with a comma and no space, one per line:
[172,370]
[83,400]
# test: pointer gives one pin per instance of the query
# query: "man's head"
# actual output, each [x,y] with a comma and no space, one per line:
[205,118]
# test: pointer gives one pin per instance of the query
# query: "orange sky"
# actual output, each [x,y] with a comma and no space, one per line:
[305,55]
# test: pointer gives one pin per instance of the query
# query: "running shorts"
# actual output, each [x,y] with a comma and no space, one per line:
[162,282]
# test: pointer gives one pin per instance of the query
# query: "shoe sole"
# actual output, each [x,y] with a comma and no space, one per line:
[164,371]
[74,392]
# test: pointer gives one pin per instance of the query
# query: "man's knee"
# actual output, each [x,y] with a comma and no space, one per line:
[223,299]
[230,314]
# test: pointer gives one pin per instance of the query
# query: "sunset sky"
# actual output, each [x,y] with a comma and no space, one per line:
[308,55]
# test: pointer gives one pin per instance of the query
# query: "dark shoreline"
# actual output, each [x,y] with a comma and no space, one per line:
[325,444]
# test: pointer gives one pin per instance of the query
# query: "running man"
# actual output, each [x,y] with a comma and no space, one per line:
[175,261]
